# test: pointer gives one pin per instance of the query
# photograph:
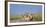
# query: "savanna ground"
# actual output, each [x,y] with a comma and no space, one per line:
[36,17]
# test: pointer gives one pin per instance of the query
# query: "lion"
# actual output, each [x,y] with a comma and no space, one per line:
[28,17]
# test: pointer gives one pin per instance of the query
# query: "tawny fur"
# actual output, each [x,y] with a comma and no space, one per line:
[28,18]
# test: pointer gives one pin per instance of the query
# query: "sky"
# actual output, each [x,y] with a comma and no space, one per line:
[16,9]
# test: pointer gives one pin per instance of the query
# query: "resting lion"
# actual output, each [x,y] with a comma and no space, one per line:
[28,18]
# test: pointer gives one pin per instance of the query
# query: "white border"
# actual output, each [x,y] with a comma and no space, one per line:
[24,22]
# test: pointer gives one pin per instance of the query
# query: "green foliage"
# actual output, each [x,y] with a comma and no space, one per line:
[15,17]
[37,18]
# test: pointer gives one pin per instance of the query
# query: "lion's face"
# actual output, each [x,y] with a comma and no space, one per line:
[27,18]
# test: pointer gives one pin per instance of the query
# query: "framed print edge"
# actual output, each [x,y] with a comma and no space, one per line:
[6,13]
[6,18]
